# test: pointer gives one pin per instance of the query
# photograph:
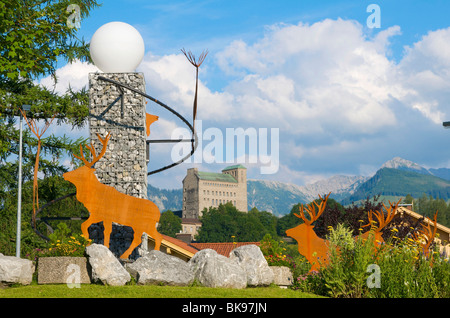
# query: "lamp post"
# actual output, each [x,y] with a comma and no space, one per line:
[25,108]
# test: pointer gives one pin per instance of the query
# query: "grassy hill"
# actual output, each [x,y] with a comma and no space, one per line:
[394,182]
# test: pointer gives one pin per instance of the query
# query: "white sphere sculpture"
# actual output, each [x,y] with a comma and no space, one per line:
[117,47]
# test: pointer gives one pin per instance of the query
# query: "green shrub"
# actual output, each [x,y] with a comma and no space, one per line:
[64,243]
[278,253]
[403,269]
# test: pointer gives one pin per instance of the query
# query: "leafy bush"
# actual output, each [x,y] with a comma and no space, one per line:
[403,269]
[278,253]
[64,243]
[406,272]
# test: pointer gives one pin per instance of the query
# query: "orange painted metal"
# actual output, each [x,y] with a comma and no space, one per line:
[38,133]
[426,235]
[150,119]
[314,248]
[106,204]
[381,221]
[310,245]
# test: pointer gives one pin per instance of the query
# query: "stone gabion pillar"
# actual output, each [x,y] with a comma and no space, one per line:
[124,164]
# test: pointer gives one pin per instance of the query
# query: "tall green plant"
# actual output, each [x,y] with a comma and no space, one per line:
[346,274]
[403,271]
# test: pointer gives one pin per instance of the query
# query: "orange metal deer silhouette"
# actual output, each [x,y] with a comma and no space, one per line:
[106,204]
[313,247]
[426,236]
[381,220]
[310,245]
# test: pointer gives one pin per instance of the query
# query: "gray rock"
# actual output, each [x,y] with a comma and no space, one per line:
[157,267]
[15,270]
[282,275]
[214,270]
[106,268]
[252,260]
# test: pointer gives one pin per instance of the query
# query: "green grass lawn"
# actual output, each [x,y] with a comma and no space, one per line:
[149,291]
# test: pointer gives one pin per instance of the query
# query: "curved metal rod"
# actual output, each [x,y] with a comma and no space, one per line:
[43,207]
[195,138]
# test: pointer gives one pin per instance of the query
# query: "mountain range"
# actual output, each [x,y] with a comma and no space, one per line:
[397,177]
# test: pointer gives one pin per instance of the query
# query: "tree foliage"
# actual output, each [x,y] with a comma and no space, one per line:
[35,33]
[169,224]
[34,36]
[333,215]
[427,206]
[227,224]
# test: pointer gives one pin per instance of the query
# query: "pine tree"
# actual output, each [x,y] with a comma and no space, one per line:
[34,36]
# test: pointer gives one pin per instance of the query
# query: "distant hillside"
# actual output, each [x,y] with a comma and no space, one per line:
[443,173]
[278,197]
[272,196]
[395,182]
[405,165]
[396,178]
[340,187]
[166,199]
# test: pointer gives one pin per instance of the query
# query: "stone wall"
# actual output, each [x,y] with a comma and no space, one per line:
[124,165]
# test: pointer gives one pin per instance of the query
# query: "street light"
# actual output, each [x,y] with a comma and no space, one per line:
[117,47]
[446,124]
[25,108]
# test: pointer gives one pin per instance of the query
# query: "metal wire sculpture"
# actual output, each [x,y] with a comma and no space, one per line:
[149,119]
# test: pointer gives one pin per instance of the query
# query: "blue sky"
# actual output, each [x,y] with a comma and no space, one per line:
[345,97]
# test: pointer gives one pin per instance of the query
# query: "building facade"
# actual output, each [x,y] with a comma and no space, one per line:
[207,189]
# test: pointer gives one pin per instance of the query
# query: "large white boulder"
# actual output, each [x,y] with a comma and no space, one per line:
[106,268]
[15,270]
[214,270]
[157,267]
[252,260]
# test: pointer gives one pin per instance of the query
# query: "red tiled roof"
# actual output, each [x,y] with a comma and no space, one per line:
[180,243]
[222,248]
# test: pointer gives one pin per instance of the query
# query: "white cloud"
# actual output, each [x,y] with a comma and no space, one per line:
[74,74]
[430,111]
[330,88]
[339,100]
[322,75]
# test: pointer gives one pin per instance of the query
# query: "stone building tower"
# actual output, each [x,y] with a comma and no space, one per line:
[208,189]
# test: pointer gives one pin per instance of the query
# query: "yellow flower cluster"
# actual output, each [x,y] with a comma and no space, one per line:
[74,246]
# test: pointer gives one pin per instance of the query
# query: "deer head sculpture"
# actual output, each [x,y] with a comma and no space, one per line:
[106,204]
[426,235]
[309,244]
[85,174]
[381,221]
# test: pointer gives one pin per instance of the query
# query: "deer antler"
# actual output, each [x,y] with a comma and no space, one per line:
[95,158]
[312,210]
[382,221]
[428,234]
